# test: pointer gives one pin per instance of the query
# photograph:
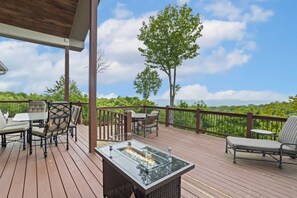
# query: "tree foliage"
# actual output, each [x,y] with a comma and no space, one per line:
[170,38]
[147,82]
[57,92]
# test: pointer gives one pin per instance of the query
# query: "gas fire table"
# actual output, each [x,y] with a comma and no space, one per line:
[133,167]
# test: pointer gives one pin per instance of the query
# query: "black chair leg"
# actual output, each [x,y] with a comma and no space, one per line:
[71,132]
[45,147]
[4,141]
[75,134]
[234,156]
[67,142]
[29,136]
[41,143]
[56,140]
[24,141]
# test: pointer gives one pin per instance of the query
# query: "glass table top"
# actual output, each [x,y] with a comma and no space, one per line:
[144,163]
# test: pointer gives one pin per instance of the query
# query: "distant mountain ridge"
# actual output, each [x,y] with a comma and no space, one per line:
[215,103]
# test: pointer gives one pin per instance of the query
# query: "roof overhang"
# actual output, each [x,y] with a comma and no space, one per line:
[60,23]
[3,69]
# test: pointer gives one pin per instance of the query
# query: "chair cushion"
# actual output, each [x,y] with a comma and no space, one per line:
[40,132]
[257,144]
[17,123]
[37,106]
[14,128]
[288,133]
[74,113]
[71,124]
[2,121]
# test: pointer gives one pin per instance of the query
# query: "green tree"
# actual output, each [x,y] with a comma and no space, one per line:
[147,82]
[57,92]
[170,38]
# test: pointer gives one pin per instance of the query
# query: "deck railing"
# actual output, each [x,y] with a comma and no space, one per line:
[196,120]
[210,122]
[112,125]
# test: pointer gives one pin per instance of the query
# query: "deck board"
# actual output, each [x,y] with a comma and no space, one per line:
[30,189]
[215,173]
[78,173]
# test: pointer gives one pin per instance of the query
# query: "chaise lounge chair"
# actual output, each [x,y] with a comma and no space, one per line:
[286,145]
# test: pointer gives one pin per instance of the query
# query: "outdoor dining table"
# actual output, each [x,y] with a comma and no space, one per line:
[133,167]
[30,117]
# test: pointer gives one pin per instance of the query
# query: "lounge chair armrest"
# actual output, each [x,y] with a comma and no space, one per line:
[287,144]
[283,144]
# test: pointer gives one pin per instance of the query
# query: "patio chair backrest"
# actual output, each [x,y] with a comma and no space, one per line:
[59,115]
[75,113]
[37,106]
[288,133]
[2,121]
[152,119]
[155,112]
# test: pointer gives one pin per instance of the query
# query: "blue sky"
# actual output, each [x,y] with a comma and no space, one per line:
[248,52]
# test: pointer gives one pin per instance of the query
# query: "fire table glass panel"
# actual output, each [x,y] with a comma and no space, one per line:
[143,163]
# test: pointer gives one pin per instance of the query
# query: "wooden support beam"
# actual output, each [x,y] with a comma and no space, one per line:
[93,76]
[66,93]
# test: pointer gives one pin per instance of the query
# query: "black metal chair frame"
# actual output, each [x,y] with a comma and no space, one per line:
[272,154]
[72,127]
[55,125]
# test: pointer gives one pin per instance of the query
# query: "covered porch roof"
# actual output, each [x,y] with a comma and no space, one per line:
[58,23]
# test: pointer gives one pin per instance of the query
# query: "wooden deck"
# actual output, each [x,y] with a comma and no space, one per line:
[77,173]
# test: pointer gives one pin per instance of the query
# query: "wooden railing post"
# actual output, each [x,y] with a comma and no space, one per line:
[144,108]
[167,116]
[249,124]
[198,120]
[127,125]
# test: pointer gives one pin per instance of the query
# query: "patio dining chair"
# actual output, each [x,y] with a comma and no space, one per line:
[59,116]
[286,145]
[37,106]
[75,115]
[12,128]
[151,121]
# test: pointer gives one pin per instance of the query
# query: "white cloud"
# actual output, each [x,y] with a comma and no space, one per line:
[181,2]
[225,9]
[108,96]
[257,14]
[121,12]
[199,92]
[215,32]
[219,60]
[32,68]
[7,85]
[29,69]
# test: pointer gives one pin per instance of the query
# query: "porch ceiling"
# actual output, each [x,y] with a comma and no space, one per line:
[57,23]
